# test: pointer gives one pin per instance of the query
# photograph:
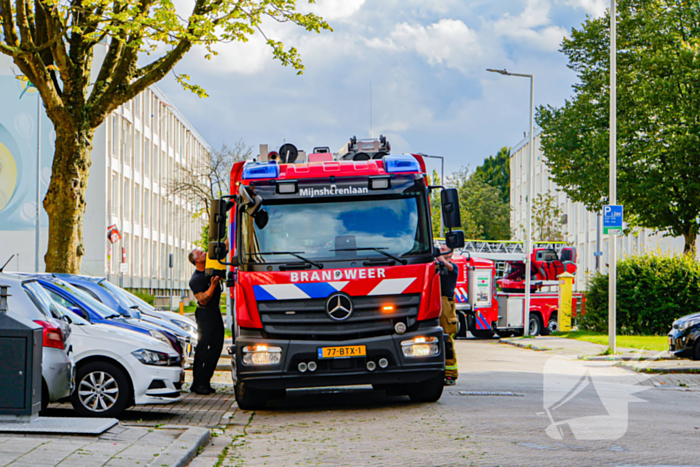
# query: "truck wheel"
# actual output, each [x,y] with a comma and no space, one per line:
[481,334]
[101,390]
[250,398]
[426,391]
[535,325]
[552,326]
[462,332]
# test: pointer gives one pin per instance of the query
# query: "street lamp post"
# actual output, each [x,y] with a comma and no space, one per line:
[530,195]
[442,181]
[612,283]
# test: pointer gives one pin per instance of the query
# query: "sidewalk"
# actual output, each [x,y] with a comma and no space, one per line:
[120,446]
[632,359]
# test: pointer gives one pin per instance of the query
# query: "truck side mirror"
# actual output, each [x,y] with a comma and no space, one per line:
[454,239]
[217,220]
[451,216]
[217,251]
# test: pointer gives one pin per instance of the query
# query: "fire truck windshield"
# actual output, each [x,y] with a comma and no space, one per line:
[339,230]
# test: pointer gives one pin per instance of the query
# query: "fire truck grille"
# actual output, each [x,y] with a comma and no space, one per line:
[308,319]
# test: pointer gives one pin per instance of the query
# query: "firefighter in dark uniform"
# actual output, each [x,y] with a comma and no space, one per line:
[448,318]
[207,291]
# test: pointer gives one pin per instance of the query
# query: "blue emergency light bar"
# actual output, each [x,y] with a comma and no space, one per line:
[261,171]
[395,164]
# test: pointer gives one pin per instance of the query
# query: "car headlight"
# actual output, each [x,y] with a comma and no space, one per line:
[151,357]
[688,324]
[161,337]
[187,327]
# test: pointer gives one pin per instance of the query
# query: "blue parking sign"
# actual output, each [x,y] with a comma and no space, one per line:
[612,219]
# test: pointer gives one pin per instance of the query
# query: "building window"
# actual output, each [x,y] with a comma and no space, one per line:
[115,136]
[137,204]
[115,194]
[137,151]
[137,258]
[146,207]
[154,260]
[126,199]
[147,159]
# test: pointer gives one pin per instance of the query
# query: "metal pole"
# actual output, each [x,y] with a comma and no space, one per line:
[530,187]
[442,182]
[597,242]
[37,234]
[612,292]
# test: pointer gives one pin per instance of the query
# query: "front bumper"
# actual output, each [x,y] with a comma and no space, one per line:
[157,385]
[338,372]
[681,343]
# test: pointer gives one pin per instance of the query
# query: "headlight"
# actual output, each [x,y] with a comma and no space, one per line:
[688,324]
[261,355]
[421,347]
[151,357]
[161,337]
[187,327]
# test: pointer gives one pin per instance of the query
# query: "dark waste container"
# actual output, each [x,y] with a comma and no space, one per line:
[21,342]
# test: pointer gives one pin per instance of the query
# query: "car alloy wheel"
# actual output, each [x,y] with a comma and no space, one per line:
[98,391]
[103,389]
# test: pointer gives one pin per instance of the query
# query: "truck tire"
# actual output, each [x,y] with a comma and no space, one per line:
[426,391]
[462,332]
[552,326]
[482,334]
[535,325]
[250,399]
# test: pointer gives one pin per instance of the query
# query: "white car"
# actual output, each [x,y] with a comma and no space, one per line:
[118,368]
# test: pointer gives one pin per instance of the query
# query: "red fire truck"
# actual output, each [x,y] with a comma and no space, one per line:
[485,310]
[332,272]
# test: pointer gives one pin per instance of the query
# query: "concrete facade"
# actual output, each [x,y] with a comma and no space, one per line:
[579,226]
[137,151]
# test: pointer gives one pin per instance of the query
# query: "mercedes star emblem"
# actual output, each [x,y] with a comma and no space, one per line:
[339,307]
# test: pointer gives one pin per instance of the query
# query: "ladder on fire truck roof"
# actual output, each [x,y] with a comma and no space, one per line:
[502,251]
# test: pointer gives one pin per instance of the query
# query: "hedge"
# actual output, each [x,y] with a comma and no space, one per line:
[145,296]
[653,290]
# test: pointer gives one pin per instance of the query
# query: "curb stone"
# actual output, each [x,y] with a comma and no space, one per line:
[184,449]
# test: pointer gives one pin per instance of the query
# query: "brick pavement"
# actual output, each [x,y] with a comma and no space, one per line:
[118,447]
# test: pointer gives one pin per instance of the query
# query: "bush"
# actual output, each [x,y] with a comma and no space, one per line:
[653,290]
[145,296]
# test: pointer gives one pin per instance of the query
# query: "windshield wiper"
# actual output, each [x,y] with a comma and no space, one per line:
[296,254]
[378,250]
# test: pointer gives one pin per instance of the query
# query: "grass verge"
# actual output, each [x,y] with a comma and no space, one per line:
[657,343]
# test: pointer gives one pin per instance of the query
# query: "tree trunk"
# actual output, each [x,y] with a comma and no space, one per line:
[65,200]
[690,237]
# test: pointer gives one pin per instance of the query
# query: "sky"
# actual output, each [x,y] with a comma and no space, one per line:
[425,62]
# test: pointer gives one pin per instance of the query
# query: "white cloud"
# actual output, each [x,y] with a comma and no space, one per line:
[333,10]
[532,25]
[595,8]
[448,42]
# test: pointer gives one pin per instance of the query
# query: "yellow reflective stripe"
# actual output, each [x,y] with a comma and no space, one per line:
[450,367]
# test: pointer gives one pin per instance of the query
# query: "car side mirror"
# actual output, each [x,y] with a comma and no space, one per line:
[67,319]
[451,217]
[79,312]
[454,239]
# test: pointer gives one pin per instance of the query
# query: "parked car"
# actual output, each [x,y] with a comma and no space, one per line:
[29,300]
[117,368]
[92,310]
[118,299]
[684,338]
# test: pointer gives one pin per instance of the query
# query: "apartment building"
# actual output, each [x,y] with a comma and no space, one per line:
[137,152]
[581,228]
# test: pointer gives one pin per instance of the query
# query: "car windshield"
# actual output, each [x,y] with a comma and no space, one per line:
[41,299]
[97,307]
[317,230]
[128,299]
